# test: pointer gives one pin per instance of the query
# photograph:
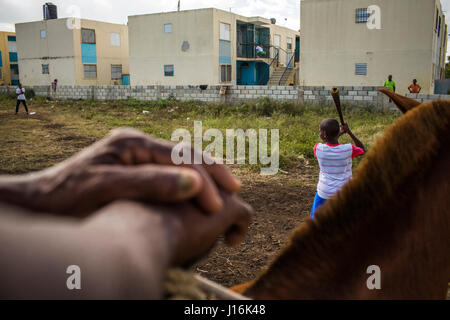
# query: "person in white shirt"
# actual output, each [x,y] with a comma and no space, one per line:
[335,160]
[260,51]
[20,93]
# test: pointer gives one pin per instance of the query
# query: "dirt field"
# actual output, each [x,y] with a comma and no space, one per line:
[281,203]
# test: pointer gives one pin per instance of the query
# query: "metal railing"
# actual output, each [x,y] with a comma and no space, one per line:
[287,67]
[268,69]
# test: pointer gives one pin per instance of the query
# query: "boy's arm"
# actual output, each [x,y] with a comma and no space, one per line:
[358,143]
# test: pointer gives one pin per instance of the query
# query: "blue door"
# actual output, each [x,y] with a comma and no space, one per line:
[125,79]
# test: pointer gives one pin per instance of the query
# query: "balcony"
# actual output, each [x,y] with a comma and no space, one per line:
[248,37]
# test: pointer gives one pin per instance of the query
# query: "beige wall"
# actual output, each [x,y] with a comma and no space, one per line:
[151,50]
[332,43]
[106,53]
[56,50]
[5,78]
[61,50]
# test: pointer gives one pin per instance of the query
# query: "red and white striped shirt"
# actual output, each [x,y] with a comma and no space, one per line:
[335,163]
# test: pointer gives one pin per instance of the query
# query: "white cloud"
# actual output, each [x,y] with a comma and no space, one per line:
[117,11]
[286,12]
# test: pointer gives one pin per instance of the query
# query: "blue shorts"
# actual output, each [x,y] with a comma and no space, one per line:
[318,201]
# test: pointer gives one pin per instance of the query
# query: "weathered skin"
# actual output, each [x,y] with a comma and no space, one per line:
[122,212]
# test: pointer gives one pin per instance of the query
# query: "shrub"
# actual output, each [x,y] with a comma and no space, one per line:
[29,93]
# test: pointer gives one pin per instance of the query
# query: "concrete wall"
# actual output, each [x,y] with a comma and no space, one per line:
[332,43]
[151,48]
[56,50]
[360,96]
[106,53]
[428,97]
[150,51]
[61,50]
[5,79]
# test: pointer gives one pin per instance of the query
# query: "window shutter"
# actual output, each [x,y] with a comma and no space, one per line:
[361,69]
[90,71]
[116,71]
[87,36]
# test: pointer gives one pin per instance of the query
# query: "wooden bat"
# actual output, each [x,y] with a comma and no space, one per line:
[337,102]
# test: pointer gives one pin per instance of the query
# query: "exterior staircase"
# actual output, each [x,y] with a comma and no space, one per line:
[281,76]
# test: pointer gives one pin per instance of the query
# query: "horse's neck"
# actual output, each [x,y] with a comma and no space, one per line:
[408,241]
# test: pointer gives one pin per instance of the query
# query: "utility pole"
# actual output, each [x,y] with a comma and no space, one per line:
[179,5]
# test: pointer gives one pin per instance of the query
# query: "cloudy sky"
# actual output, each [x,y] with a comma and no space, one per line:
[287,12]
[117,11]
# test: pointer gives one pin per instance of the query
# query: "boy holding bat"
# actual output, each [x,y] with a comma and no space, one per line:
[335,160]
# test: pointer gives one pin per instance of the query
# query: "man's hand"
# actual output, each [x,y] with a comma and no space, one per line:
[152,238]
[127,164]
[183,229]
[123,250]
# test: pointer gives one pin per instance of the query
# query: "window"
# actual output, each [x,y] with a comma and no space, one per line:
[45,69]
[12,46]
[116,71]
[289,43]
[90,71]
[276,40]
[168,28]
[361,69]
[87,36]
[115,39]
[362,15]
[225,73]
[168,70]
[225,32]
[43,34]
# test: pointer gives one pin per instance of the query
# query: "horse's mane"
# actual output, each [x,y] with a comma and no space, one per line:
[401,158]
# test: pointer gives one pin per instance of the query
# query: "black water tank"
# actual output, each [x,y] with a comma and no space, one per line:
[50,11]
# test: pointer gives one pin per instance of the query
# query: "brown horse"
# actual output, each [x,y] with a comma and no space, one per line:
[394,214]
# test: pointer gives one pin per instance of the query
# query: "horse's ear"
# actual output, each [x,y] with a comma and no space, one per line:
[404,104]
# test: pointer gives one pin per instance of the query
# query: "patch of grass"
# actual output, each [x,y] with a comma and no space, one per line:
[60,129]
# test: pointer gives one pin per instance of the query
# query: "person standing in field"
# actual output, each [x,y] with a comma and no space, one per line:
[54,86]
[20,93]
[414,87]
[390,84]
[335,160]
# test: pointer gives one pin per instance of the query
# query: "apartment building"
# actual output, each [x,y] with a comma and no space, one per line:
[361,42]
[209,47]
[74,51]
[9,69]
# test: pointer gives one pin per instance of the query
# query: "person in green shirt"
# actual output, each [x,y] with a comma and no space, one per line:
[390,84]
